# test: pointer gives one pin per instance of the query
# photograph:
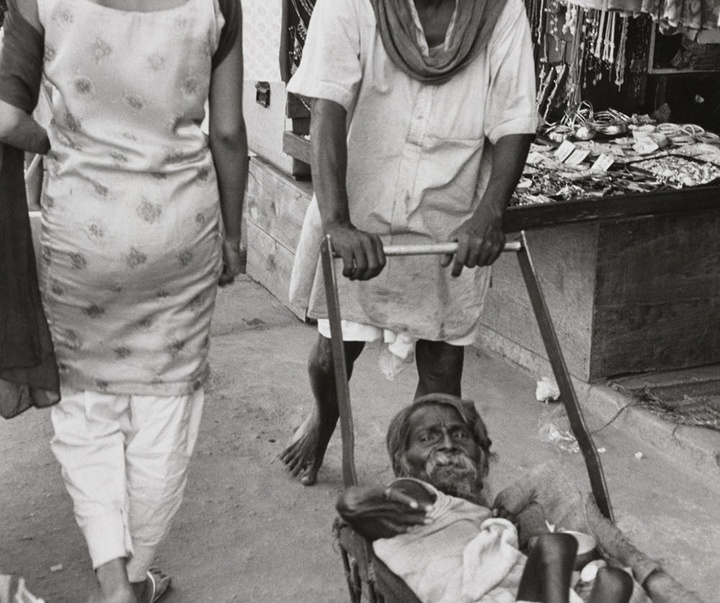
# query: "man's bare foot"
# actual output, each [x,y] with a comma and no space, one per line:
[304,456]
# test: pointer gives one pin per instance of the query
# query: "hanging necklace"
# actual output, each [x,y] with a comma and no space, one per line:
[620,60]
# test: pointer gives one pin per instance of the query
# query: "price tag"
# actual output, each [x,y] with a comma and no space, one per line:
[535,158]
[564,150]
[577,157]
[602,163]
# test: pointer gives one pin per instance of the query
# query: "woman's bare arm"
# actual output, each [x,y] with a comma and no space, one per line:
[17,128]
[228,143]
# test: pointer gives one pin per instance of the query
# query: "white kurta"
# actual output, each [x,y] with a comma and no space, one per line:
[419,159]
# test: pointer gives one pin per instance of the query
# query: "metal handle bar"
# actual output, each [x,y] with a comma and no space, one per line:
[437,248]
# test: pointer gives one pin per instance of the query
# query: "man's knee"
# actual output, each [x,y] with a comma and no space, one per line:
[321,355]
[557,550]
[612,584]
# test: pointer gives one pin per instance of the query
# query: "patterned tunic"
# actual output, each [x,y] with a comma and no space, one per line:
[130,213]
[419,159]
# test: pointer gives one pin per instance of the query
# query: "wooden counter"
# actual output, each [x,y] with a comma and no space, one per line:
[632,284]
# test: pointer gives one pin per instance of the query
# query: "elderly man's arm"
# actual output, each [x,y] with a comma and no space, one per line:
[481,239]
[362,253]
[376,513]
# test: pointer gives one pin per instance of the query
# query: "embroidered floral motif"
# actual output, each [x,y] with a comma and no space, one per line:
[136,258]
[190,86]
[147,322]
[149,212]
[94,311]
[100,189]
[157,61]
[119,158]
[198,302]
[72,123]
[203,174]
[78,260]
[95,232]
[84,86]
[175,348]
[122,352]
[62,15]
[135,102]
[56,288]
[101,50]
[70,339]
[185,257]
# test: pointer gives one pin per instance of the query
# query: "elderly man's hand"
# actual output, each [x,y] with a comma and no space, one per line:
[480,242]
[361,252]
[380,512]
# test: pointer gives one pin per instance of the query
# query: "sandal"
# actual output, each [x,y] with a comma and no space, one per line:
[159,584]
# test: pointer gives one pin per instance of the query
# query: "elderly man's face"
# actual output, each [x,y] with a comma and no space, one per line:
[442,451]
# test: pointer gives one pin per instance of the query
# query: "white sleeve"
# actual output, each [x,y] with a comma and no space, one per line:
[510,105]
[330,67]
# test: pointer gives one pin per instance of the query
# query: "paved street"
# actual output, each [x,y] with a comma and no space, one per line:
[248,533]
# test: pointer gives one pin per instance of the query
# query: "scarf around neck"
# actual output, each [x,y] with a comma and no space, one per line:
[475,22]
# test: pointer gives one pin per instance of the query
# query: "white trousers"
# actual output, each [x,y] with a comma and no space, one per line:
[124,461]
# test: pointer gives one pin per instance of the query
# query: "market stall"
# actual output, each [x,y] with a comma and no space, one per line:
[620,193]
[620,190]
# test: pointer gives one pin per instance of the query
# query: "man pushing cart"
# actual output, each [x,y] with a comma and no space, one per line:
[422,116]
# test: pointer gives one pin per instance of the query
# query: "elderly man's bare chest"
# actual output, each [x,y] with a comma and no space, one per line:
[435,16]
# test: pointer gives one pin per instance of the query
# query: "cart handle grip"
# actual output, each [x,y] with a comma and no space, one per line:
[437,248]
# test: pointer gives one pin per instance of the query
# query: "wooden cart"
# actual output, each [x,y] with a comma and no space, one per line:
[366,573]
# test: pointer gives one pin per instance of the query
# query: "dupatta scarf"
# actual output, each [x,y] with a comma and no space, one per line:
[28,371]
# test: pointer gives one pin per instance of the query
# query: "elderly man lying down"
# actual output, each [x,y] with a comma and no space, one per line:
[433,529]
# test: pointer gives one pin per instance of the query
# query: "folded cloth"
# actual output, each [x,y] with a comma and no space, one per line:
[28,370]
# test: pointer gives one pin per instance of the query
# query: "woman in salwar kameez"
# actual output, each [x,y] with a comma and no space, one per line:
[131,251]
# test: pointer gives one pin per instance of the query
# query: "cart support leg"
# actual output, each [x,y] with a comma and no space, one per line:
[360,545]
[562,376]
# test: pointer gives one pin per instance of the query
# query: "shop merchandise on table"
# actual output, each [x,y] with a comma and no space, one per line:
[610,154]
[603,51]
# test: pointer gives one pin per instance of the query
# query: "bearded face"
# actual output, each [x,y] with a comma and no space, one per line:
[442,451]
[455,474]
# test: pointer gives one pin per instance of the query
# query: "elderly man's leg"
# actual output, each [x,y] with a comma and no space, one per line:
[440,367]
[89,443]
[549,569]
[305,454]
[612,585]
